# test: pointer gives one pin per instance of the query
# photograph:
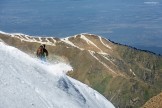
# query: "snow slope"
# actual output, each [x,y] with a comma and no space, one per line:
[28,83]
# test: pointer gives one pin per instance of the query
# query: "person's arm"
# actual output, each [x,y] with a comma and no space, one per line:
[46,52]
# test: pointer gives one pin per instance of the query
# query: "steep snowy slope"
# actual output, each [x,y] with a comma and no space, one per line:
[27,83]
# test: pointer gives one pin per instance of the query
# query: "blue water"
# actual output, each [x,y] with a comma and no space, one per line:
[132,22]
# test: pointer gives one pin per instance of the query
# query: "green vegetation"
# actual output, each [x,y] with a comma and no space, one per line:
[146,95]
[101,86]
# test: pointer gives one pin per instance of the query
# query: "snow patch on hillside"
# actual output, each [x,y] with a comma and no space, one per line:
[89,42]
[104,43]
[28,38]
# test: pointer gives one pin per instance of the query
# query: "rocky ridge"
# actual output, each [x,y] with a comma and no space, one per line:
[127,77]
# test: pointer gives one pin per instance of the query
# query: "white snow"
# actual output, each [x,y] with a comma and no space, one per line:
[92,54]
[53,40]
[12,34]
[3,32]
[28,38]
[132,72]
[89,42]
[104,43]
[27,83]
[108,59]
[40,39]
[66,40]
[48,40]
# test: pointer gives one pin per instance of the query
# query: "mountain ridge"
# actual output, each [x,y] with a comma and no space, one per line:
[126,76]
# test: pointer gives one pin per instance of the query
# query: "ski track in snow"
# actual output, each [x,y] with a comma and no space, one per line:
[27,83]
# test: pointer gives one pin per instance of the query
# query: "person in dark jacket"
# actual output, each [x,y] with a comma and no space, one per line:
[42,53]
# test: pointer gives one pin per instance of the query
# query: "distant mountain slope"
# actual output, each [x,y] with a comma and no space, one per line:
[27,83]
[126,76]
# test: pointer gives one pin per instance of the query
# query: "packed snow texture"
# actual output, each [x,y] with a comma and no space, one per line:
[27,83]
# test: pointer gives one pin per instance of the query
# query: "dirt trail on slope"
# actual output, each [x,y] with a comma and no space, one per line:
[155,102]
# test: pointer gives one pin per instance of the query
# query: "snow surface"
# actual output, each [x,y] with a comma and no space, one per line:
[27,83]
